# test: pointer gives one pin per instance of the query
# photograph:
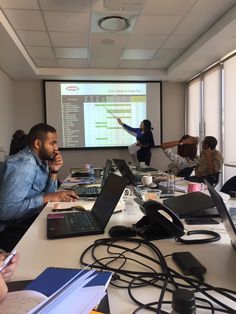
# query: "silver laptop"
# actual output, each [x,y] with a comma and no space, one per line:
[227,216]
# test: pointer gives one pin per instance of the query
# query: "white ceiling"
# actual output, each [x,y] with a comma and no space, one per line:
[166,40]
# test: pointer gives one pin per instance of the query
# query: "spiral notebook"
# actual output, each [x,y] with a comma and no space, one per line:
[54,278]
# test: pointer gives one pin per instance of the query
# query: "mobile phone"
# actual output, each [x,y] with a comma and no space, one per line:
[201,221]
[7,260]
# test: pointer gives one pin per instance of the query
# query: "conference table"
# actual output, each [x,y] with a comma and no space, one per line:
[37,253]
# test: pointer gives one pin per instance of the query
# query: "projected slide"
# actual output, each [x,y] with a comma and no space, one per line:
[85,113]
[89,117]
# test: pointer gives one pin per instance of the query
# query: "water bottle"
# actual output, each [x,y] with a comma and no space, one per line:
[183,302]
[171,183]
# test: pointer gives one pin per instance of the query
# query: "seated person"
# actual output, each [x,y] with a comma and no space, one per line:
[6,273]
[211,160]
[28,181]
[18,142]
[186,155]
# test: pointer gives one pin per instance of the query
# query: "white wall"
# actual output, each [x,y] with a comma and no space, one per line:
[6,113]
[29,108]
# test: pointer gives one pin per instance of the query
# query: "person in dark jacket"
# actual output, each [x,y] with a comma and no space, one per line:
[144,138]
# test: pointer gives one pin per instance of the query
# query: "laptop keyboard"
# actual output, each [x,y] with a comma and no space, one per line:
[91,190]
[80,222]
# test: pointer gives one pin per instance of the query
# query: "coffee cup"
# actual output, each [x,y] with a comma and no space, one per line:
[195,187]
[97,172]
[146,180]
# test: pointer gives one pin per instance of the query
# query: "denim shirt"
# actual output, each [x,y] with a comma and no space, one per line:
[24,179]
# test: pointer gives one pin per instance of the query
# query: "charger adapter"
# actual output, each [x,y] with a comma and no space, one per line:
[189,264]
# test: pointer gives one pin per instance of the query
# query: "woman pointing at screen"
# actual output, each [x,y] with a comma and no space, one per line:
[144,138]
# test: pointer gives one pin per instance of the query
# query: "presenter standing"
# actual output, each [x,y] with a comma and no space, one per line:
[144,138]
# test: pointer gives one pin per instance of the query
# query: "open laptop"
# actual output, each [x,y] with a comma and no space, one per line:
[73,224]
[126,173]
[192,205]
[228,217]
[94,191]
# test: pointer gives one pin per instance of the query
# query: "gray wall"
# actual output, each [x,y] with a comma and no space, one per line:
[29,110]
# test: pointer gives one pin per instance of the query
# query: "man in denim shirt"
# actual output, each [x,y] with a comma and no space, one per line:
[28,180]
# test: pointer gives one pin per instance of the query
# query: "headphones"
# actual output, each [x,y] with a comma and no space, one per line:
[214,236]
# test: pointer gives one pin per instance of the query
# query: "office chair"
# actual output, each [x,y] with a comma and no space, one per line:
[229,185]
[213,179]
[186,172]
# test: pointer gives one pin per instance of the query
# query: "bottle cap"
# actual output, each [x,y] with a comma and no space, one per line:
[183,301]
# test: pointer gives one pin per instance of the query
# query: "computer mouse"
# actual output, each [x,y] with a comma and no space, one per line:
[120,231]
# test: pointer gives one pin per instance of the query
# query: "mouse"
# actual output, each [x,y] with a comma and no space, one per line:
[120,231]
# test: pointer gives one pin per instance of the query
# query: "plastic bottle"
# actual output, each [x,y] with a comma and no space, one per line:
[183,302]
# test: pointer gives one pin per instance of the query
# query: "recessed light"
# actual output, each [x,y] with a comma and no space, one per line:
[113,23]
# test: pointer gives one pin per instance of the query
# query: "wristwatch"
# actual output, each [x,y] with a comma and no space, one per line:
[181,143]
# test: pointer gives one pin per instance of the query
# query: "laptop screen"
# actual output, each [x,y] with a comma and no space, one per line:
[106,172]
[225,215]
[108,199]
[125,171]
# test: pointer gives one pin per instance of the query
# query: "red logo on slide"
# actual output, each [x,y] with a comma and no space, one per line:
[72,88]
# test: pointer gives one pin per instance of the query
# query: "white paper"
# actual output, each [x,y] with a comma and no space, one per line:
[21,302]
[133,148]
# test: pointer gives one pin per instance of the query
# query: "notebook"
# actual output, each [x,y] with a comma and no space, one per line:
[227,216]
[196,204]
[63,225]
[126,172]
[94,191]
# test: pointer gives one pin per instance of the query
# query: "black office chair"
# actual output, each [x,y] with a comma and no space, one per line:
[186,172]
[213,179]
[229,185]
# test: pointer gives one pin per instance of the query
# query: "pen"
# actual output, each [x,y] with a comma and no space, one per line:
[7,260]
[117,212]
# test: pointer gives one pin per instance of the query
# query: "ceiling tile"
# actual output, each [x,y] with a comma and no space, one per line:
[45,62]
[40,52]
[73,63]
[25,19]
[79,53]
[132,64]
[206,6]
[167,7]
[167,54]
[67,22]
[194,24]
[145,54]
[104,63]
[158,64]
[34,38]
[149,41]
[19,4]
[178,41]
[150,24]
[65,5]
[66,39]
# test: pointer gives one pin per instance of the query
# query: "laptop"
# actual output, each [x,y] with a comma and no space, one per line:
[94,191]
[228,217]
[192,205]
[126,173]
[73,224]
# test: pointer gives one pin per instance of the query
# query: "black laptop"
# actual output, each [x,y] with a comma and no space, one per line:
[126,173]
[73,224]
[94,191]
[192,205]
[228,217]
